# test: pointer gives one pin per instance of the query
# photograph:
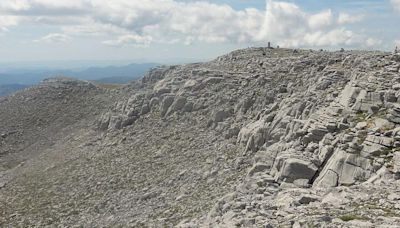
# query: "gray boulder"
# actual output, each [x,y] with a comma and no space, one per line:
[166,103]
[293,169]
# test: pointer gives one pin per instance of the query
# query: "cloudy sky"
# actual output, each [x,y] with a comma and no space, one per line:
[167,30]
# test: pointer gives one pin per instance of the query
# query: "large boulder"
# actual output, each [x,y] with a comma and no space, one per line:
[367,101]
[253,135]
[293,169]
[104,121]
[344,169]
[177,105]
[162,87]
[394,114]
[166,103]
[349,95]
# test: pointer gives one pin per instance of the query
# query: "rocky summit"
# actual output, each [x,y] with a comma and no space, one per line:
[259,137]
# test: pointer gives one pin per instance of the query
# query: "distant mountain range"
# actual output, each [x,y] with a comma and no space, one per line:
[15,79]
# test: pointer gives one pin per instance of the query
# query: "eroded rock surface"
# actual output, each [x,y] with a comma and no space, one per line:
[256,138]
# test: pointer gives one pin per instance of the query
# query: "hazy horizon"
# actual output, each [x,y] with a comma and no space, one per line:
[82,64]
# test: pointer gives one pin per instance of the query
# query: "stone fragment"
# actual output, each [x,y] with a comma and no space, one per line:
[307,199]
[178,104]
[396,162]
[221,115]
[257,168]
[361,125]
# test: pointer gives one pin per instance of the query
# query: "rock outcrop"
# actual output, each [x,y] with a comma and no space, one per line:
[256,138]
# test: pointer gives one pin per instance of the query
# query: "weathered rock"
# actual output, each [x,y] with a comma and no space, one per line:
[271,129]
[221,115]
[104,122]
[343,169]
[366,101]
[254,134]
[166,103]
[115,122]
[293,169]
[396,162]
[177,105]
[145,109]
[154,102]
[258,167]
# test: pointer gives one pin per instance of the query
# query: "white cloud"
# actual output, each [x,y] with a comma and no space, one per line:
[143,22]
[167,20]
[130,39]
[345,18]
[396,4]
[14,5]
[54,38]
[42,6]
[371,42]
[92,28]
[7,21]
[287,25]
[321,20]
[331,38]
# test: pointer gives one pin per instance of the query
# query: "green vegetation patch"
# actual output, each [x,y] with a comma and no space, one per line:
[361,117]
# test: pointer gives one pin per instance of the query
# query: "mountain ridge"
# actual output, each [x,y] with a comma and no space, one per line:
[33,76]
[257,137]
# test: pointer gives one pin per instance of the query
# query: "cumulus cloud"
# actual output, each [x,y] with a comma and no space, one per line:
[129,39]
[320,20]
[345,18]
[167,20]
[288,25]
[54,38]
[43,7]
[372,42]
[7,21]
[143,22]
[396,4]
[92,28]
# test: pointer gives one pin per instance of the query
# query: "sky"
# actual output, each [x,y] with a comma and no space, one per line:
[188,30]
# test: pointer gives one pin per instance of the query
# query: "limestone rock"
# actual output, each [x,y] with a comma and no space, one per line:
[343,169]
[290,138]
[166,103]
[396,162]
[293,169]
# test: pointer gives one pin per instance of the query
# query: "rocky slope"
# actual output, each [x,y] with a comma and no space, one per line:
[256,138]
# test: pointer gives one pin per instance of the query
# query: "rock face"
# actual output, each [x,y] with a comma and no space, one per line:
[293,169]
[256,138]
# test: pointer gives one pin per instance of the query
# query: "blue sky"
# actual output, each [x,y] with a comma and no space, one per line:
[187,30]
